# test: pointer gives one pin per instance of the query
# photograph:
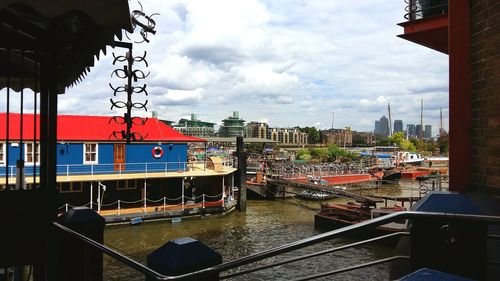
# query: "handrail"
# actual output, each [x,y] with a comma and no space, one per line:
[356,228]
[204,199]
[112,253]
[120,169]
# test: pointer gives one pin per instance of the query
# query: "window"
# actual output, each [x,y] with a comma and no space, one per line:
[32,155]
[2,153]
[66,187]
[128,184]
[90,153]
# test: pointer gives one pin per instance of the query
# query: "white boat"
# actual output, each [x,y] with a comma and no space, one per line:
[436,161]
[406,157]
[315,195]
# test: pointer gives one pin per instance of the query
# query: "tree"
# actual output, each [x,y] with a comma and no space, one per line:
[334,153]
[399,140]
[313,135]
[319,153]
[384,141]
[443,144]
[304,154]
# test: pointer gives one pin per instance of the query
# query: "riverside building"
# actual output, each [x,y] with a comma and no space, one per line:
[147,178]
[232,126]
[195,127]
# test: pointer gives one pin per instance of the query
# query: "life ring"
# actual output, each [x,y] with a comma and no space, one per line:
[157,152]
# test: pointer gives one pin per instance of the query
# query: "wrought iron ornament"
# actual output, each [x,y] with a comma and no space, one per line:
[147,25]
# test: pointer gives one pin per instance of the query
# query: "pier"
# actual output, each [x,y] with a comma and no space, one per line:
[279,188]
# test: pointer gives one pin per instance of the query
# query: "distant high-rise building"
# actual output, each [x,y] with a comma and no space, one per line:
[384,126]
[411,130]
[418,131]
[428,132]
[398,126]
[377,127]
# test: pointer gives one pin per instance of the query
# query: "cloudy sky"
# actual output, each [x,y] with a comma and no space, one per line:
[285,62]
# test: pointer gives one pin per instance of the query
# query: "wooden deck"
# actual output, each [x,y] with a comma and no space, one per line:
[125,215]
[159,208]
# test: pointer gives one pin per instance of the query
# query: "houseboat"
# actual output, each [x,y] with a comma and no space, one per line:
[148,178]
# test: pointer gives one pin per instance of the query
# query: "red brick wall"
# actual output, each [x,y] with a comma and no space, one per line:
[485,62]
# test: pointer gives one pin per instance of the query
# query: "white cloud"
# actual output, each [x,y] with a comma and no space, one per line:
[291,62]
[180,97]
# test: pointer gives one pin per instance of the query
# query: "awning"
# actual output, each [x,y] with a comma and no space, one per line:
[64,34]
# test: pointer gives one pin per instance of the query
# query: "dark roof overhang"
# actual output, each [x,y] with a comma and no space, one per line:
[66,35]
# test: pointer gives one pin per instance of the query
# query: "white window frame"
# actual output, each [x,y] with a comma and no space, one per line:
[85,153]
[3,160]
[34,153]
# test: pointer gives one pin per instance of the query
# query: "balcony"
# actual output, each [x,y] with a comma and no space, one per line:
[427,23]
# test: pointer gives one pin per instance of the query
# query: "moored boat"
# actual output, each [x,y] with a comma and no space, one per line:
[337,215]
[315,195]
[402,158]
[391,175]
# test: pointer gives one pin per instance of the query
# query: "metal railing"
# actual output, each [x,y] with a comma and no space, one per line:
[274,252]
[419,9]
[162,204]
[123,168]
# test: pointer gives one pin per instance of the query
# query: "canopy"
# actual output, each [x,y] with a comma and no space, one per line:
[61,35]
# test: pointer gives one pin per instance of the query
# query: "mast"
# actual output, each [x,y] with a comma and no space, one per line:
[333,116]
[440,121]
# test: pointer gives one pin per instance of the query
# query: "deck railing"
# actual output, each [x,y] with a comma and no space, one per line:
[419,9]
[227,269]
[159,207]
[123,168]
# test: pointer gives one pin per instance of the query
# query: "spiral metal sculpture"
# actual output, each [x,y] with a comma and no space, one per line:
[146,24]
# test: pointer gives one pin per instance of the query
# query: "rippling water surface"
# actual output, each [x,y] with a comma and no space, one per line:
[264,225]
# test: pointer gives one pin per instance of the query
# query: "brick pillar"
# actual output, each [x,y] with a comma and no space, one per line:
[485,68]
[460,95]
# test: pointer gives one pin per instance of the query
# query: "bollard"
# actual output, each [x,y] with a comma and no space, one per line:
[181,256]
[78,261]
[457,246]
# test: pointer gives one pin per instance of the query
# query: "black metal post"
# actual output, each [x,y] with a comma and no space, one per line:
[48,143]
[182,256]
[240,178]
[78,261]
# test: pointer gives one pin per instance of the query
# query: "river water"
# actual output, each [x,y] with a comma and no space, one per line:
[264,225]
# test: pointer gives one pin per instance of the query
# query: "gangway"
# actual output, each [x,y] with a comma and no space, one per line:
[368,200]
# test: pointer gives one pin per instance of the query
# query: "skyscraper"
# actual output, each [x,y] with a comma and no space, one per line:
[418,131]
[411,130]
[377,127]
[398,126]
[384,126]
[428,132]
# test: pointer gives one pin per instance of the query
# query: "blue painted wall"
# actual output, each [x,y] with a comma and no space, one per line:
[71,155]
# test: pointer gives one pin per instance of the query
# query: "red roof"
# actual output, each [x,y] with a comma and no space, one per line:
[91,128]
